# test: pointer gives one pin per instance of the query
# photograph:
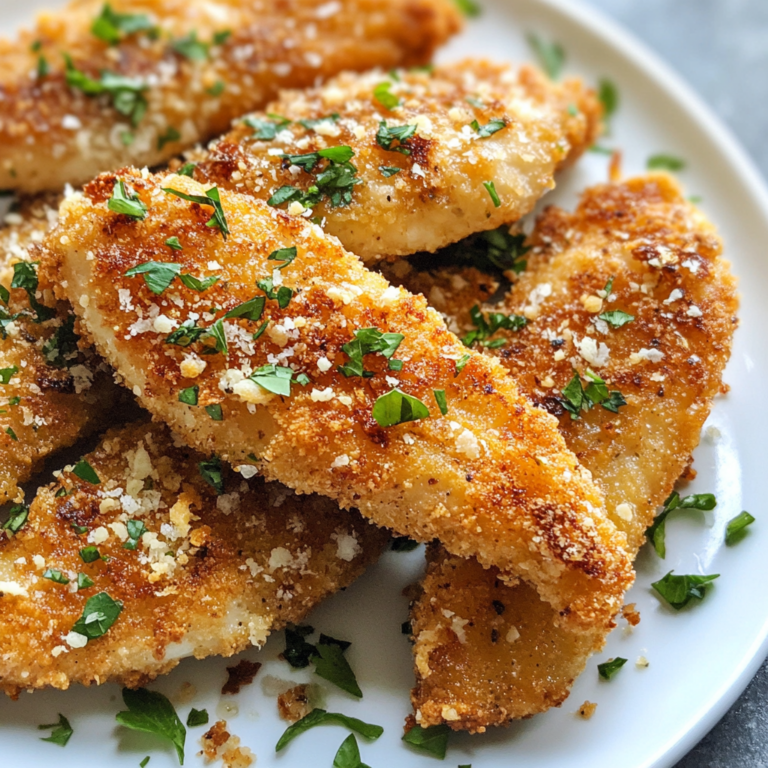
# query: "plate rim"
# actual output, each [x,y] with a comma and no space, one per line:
[594,21]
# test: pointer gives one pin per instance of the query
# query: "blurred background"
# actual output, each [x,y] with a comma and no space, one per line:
[721,48]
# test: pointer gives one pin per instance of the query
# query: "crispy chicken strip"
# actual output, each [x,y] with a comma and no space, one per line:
[424,145]
[51,393]
[662,260]
[89,89]
[195,572]
[487,479]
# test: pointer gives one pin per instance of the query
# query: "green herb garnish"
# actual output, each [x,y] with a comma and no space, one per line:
[442,402]
[551,56]
[25,277]
[321,717]
[54,574]
[665,163]
[6,374]
[151,712]
[83,581]
[90,554]
[736,529]
[385,97]
[486,327]
[386,137]
[212,198]
[112,27]
[17,518]
[265,130]
[493,194]
[678,591]
[397,407]
[656,532]
[158,275]
[190,47]
[215,412]
[491,127]
[616,318]
[170,135]
[126,201]
[60,350]
[608,94]
[61,734]
[286,255]
[86,472]
[433,740]
[197,717]
[389,170]
[277,379]
[211,472]
[608,669]
[368,341]
[99,614]
[577,397]
[348,754]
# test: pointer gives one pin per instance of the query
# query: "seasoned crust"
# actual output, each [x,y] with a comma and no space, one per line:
[618,231]
[487,480]
[240,565]
[52,134]
[437,197]
[57,393]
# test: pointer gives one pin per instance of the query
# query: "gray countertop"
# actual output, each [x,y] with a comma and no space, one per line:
[721,48]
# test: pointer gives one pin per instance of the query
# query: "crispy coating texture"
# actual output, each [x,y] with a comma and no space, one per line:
[645,236]
[56,393]
[486,479]
[434,194]
[210,575]
[52,132]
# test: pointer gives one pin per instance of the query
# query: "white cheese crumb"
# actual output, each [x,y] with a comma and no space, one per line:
[468,444]
[340,461]
[39,562]
[13,589]
[251,392]
[76,640]
[324,364]
[594,353]
[651,355]
[98,535]
[512,635]
[347,546]
[694,311]
[192,366]
[322,395]
[625,511]
[247,470]
[674,296]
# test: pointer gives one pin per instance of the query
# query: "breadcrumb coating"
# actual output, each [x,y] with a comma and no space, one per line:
[486,479]
[183,76]
[664,260]
[473,122]
[209,574]
[51,393]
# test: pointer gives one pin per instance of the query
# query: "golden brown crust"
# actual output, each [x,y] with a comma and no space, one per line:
[651,241]
[56,393]
[437,196]
[487,479]
[209,576]
[52,133]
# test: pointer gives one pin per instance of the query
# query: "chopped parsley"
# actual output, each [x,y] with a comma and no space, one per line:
[212,198]
[442,402]
[216,89]
[493,194]
[199,284]
[197,717]
[386,137]
[348,754]
[433,740]
[83,581]
[151,712]
[312,123]
[190,47]
[369,341]
[485,328]
[90,554]
[607,670]
[189,395]
[188,169]
[250,310]
[608,94]
[25,277]
[397,407]
[54,574]
[678,591]
[158,275]
[173,242]
[171,134]
[460,363]
[99,614]
[321,717]
[61,734]
[60,350]
[470,8]
[663,162]
[286,255]
[187,333]
[215,412]
[551,56]
[389,170]
[385,97]
[616,318]
[491,127]
[112,27]
[43,68]
[656,532]
[136,529]
[221,37]
[6,374]
[576,397]
[298,652]
[126,93]
[211,472]
[331,665]
[277,379]
[9,431]
[86,472]
[17,518]
[736,529]
[265,130]
[125,200]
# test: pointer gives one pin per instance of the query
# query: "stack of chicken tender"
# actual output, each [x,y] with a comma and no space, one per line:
[284,386]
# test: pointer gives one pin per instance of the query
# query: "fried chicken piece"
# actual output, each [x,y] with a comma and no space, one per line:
[198,571]
[89,89]
[422,192]
[487,479]
[51,393]
[662,260]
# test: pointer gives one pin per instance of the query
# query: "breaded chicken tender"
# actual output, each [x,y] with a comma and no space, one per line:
[94,87]
[634,250]
[51,393]
[425,143]
[330,379]
[176,567]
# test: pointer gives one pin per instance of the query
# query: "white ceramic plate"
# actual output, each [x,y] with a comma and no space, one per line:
[700,660]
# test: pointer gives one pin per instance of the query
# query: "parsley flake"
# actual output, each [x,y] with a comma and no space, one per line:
[664,162]
[460,363]
[616,318]
[60,350]
[199,284]
[368,341]
[265,130]
[173,242]
[151,712]
[433,740]
[442,402]
[389,170]
[576,397]
[298,652]
[470,8]
[736,529]
[321,717]
[190,47]
[249,310]
[6,374]
[54,574]
[189,395]
[83,581]
[112,27]
[656,532]
[86,472]
[17,518]
[158,275]
[348,754]
[197,717]
[25,277]
[125,200]
[211,472]
[277,379]
[89,554]
[99,614]
[171,134]
[551,56]
[493,194]
[286,255]
[9,431]
[485,328]
[212,198]
[61,734]
[491,127]
[386,137]
[678,591]
[385,97]
[215,412]
[397,407]
[608,669]
[331,665]
[608,94]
